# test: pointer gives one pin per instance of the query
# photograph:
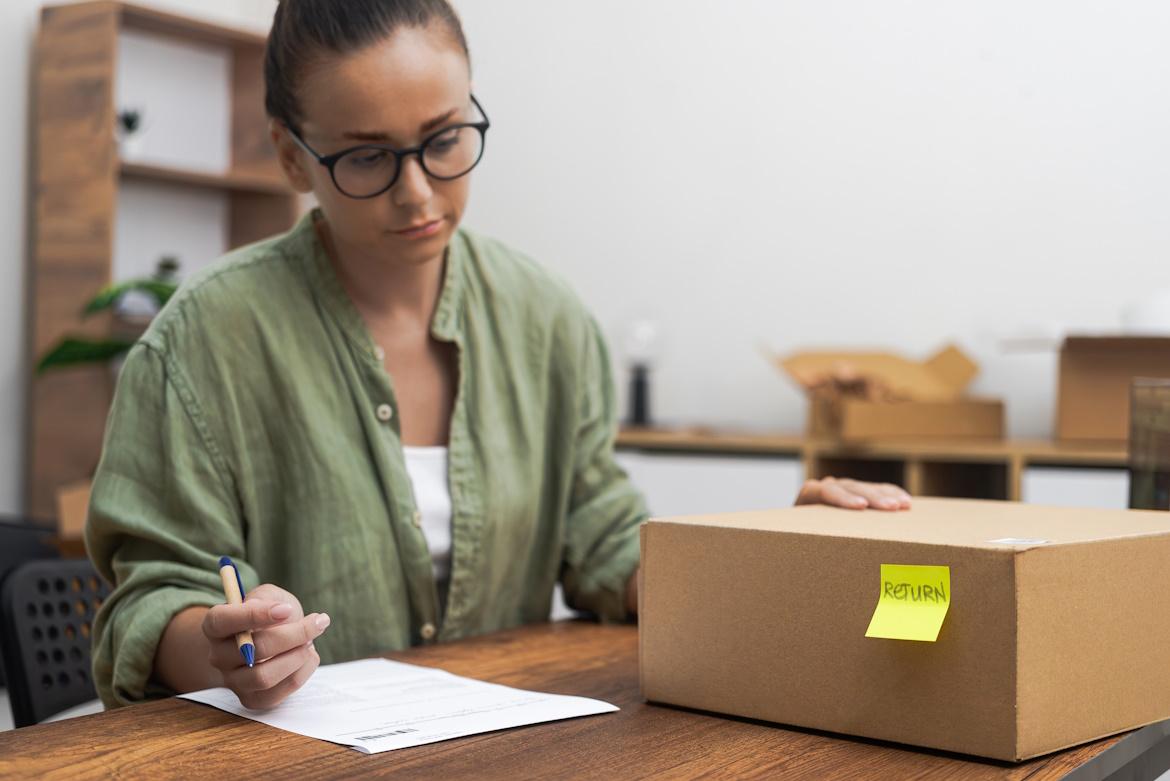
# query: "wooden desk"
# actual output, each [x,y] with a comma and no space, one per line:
[170,738]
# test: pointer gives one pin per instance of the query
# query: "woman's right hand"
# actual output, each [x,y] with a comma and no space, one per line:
[283,637]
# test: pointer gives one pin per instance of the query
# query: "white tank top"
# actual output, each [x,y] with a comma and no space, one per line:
[427,468]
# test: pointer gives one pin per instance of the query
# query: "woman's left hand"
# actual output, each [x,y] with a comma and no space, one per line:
[853,494]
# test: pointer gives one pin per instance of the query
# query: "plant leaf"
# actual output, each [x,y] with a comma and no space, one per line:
[74,352]
[160,291]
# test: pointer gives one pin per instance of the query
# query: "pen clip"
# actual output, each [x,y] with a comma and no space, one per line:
[239,580]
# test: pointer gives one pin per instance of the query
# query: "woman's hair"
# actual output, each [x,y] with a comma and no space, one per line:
[304,31]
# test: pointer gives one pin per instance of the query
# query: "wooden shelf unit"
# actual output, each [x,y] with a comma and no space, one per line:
[258,182]
[75,177]
[974,470]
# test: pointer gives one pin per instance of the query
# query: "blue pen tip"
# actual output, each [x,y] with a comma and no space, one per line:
[225,561]
[249,652]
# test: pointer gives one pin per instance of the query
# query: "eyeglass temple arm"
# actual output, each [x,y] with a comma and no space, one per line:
[302,143]
[480,108]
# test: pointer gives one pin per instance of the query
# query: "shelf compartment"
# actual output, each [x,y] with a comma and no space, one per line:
[965,480]
[875,470]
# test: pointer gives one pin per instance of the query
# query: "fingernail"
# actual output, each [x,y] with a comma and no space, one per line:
[280,611]
[859,501]
[322,621]
[890,503]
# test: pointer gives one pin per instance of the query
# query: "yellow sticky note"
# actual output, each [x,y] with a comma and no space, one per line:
[912,603]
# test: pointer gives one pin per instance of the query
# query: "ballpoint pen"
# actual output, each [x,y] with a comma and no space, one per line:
[233,589]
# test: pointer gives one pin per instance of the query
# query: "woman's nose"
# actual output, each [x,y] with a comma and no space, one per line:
[413,186]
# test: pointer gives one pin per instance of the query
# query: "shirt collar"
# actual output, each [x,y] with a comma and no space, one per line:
[446,321]
[331,293]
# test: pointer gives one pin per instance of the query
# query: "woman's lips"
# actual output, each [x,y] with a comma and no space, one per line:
[420,230]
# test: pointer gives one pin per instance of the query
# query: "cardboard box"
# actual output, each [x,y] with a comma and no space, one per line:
[1044,645]
[858,420]
[1096,373]
[867,396]
[72,510]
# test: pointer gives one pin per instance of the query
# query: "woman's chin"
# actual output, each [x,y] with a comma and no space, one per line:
[417,251]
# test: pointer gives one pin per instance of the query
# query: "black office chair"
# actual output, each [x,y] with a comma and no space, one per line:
[20,541]
[46,626]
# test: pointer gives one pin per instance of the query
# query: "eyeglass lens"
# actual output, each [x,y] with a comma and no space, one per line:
[450,154]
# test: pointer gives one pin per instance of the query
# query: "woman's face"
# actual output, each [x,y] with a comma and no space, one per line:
[396,92]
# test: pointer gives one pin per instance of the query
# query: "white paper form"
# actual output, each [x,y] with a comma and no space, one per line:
[378,705]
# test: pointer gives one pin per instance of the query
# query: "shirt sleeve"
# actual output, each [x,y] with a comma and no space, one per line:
[606,510]
[161,513]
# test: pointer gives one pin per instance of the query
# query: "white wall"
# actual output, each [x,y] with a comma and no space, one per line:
[188,128]
[787,174]
[837,172]
[16,33]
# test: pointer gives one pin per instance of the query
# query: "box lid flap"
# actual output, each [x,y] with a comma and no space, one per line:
[954,367]
[944,377]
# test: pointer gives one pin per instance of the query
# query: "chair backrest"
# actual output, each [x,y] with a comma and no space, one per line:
[22,540]
[46,626]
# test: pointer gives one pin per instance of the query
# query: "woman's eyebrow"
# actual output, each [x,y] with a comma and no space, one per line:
[431,124]
[380,136]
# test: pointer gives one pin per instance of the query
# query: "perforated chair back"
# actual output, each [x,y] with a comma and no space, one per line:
[22,540]
[46,627]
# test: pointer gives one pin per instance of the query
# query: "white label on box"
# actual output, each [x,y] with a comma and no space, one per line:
[1019,541]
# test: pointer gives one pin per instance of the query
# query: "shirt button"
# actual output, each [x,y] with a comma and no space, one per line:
[379,353]
[384,412]
[416,519]
[427,631]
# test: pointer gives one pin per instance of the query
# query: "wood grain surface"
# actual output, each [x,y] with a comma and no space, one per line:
[992,469]
[175,738]
[707,440]
[73,187]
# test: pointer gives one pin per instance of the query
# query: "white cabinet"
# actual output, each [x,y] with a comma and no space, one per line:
[1073,487]
[700,484]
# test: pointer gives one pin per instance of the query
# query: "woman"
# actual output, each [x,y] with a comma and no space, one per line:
[407,426]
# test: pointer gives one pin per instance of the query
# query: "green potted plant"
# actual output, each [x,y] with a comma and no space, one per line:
[74,350]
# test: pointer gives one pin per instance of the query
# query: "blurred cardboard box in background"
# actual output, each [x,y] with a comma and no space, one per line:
[860,396]
[1096,373]
[72,512]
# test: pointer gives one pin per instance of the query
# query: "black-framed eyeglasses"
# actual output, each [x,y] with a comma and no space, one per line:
[369,170]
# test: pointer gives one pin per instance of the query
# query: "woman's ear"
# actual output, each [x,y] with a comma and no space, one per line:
[290,155]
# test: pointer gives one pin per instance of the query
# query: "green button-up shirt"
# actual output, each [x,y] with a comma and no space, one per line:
[254,420]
